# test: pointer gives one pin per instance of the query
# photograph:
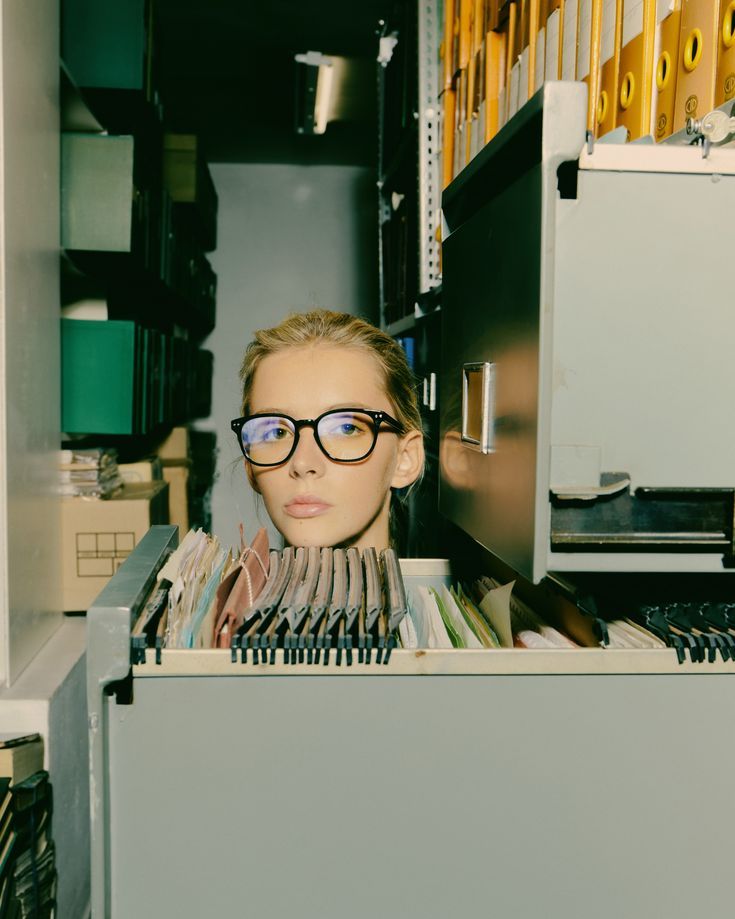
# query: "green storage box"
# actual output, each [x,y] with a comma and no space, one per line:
[106,44]
[100,377]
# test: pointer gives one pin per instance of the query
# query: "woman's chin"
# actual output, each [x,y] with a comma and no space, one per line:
[309,532]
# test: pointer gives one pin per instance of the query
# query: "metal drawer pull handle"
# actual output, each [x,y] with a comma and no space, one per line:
[478,406]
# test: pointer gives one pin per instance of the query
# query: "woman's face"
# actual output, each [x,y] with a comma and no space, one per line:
[312,500]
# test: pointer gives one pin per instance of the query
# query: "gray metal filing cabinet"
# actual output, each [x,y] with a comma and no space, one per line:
[588,340]
[509,783]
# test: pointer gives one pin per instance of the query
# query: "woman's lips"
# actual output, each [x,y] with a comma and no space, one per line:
[306,506]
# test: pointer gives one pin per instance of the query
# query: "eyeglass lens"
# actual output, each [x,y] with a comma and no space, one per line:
[343,435]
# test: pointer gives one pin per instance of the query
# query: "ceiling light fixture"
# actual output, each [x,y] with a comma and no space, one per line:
[314,84]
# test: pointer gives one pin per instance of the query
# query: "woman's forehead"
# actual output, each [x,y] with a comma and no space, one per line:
[307,380]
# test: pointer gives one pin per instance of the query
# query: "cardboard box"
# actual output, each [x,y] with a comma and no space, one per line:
[175,448]
[178,497]
[148,470]
[98,535]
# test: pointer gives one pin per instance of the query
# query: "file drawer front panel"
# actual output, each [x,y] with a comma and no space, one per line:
[420,797]
[491,315]
[644,334]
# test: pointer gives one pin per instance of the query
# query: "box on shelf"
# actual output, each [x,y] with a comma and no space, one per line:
[178,496]
[98,535]
[174,451]
[188,181]
[147,470]
[97,192]
[100,377]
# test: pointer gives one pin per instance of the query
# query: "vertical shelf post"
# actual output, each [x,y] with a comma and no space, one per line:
[429,143]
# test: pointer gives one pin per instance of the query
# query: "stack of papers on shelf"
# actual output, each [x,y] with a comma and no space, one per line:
[27,854]
[34,854]
[88,473]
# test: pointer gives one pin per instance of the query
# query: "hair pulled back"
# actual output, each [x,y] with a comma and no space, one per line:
[324,327]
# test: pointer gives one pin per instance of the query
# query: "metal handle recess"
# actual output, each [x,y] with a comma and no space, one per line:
[478,406]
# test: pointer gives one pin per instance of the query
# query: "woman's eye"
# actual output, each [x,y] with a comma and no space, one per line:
[344,426]
[266,431]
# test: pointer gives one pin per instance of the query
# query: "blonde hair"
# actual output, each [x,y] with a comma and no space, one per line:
[324,327]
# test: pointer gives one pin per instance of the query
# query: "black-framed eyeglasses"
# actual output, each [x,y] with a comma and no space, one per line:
[345,435]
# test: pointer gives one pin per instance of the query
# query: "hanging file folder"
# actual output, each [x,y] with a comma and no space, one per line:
[612,31]
[553,40]
[697,66]
[666,69]
[725,80]
[569,33]
[635,80]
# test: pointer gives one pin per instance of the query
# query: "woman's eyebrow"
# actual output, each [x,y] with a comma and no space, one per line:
[269,410]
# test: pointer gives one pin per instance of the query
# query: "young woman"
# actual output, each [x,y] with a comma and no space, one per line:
[330,428]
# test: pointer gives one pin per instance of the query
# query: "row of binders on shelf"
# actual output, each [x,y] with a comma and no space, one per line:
[315,604]
[121,378]
[650,65]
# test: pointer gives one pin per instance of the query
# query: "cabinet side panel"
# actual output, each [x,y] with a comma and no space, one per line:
[30,317]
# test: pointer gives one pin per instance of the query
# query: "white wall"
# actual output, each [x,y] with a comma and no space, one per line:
[289,238]
[30,520]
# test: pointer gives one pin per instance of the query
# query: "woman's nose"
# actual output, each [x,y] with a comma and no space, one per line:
[307,458]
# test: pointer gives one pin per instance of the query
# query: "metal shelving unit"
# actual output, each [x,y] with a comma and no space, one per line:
[429,23]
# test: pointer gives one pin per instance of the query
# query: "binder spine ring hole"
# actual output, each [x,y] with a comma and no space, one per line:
[728,26]
[627,90]
[663,71]
[693,50]
[602,107]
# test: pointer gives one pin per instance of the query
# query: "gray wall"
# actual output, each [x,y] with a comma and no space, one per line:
[289,238]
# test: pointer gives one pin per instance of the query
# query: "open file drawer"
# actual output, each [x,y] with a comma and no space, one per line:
[587,342]
[518,783]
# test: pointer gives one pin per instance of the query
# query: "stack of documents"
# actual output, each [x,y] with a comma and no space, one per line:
[27,852]
[446,618]
[485,615]
[90,473]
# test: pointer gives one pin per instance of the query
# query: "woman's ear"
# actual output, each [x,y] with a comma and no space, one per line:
[410,462]
[251,476]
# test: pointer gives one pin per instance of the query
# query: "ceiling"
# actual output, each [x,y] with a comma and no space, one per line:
[226,72]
